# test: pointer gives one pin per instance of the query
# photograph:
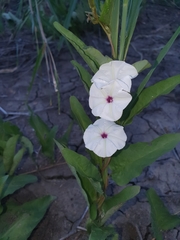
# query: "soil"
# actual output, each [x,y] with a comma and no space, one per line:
[155,27]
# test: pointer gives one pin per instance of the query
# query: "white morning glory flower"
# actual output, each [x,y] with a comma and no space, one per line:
[119,71]
[108,103]
[104,138]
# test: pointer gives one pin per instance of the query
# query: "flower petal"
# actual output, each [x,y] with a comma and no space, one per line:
[109,110]
[104,147]
[115,71]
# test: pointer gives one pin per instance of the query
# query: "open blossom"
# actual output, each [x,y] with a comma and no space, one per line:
[108,103]
[119,71]
[104,138]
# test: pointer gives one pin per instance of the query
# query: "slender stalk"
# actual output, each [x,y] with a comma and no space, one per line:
[105,177]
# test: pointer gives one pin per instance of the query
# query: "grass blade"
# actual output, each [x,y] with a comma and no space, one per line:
[160,57]
[123,29]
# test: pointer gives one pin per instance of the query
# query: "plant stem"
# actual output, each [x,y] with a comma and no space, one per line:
[105,177]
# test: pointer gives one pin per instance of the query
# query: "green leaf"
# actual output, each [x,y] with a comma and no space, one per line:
[129,19]
[24,218]
[124,23]
[84,75]
[101,233]
[14,183]
[2,170]
[160,57]
[67,21]
[79,113]
[129,162]
[27,144]
[9,152]
[114,25]
[37,65]
[44,134]
[8,130]
[82,165]
[106,12]
[3,180]
[162,220]
[16,160]
[91,56]
[63,141]
[88,191]
[141,65]
[88,188]
[149,94]
[112,204]
[84,121]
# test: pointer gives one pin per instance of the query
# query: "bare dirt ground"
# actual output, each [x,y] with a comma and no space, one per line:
[155,26]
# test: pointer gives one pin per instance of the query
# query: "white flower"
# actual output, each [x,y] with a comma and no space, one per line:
[119,71]
[104,138]
[108,103]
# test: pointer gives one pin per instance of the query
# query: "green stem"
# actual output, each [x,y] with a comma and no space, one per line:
[105,177]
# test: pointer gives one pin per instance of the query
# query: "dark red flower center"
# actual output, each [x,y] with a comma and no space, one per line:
[104,135]
[109,99]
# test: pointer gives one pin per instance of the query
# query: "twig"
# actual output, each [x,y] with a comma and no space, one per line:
[43,169]
[75,226]
[18,114]
[82,228]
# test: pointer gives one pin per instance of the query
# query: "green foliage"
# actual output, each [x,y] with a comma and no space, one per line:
[82,165]
[112,204]
[12,147]
[44,134]
[13,183]
[84,121]
[141,65]
[18,221]
[129,162]
[130,13]
[79,113]
[37,65]
[158,60]
[149,94]
[84,75]
[162,220]
[91,56]
[101,233]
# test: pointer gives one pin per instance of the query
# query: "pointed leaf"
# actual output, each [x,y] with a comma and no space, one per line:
[14,183]
[79,113]
[83,121]
[129,162]
[161,218]
[9,152]
[37,65]
[27,144]
[24,218]
[160,57]
[129,24]
[44,134]
[149,94]
[91,56]
[101,233]
[84,75]
[81,164]
[88,192]
[141,65]
[114,25]
[112,204]
[63,141]
[3,180]
[16,160]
